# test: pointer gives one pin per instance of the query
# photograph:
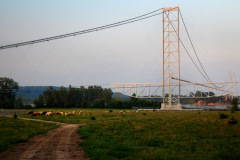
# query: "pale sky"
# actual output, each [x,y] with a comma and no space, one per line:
[129,53]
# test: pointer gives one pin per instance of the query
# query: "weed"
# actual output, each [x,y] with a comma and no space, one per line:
[233,120]
[223,116]
[93,118]
[233,111]
[15,115]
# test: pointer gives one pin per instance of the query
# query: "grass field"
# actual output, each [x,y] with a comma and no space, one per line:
[155,135]
[13,131]
[167,135]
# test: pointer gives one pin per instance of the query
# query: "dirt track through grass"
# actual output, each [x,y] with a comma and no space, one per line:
[61,144]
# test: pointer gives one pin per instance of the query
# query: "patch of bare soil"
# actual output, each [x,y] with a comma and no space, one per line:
[58,144]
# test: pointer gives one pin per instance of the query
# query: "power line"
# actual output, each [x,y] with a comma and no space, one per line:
[195,50]
[193,46]
[187,50]
[131,20]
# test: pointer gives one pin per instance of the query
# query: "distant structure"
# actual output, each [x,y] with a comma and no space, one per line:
[172,85]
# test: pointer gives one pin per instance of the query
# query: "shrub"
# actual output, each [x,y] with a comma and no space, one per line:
[15,115]
[234,104]
[233,120]
[110,111]
[223,116]
[234,108]
[93,118]
[232,111]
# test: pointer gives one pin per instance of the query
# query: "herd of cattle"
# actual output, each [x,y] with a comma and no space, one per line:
[45,113]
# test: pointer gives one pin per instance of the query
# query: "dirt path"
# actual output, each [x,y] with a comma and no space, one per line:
[58,144]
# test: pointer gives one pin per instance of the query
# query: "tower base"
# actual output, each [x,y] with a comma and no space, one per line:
[172,107]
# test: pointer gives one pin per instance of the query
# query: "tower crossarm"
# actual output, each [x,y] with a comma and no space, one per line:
[139,90]
[207,85]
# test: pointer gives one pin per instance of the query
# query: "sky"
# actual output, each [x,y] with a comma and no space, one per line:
[129,53]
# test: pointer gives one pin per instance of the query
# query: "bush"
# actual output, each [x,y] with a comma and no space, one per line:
[234,108]
[93,118]
[233,120]
[110,111]
[223,116]
[15,115]
[234,104]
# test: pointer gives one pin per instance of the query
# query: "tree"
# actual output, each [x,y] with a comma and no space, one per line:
[48,96]
[40,101]
[19,103]
[134,100]
[107,95]
[235,103]
[7,92]
[62,96]
[211,94]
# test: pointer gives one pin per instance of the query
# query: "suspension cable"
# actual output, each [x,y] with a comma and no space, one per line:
[187,51]
[131,20]
[193,46]
[195,50]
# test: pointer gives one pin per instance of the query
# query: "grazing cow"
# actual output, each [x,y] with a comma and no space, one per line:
[106,112]
[29,113]
[34,114]
[69,114]
[80,112]
[48,114]
[65,114]
[58,113]
[73,112]
[44,113]
[122,112]
[39,113]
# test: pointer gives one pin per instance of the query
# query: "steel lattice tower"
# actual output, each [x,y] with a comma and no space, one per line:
[171,60]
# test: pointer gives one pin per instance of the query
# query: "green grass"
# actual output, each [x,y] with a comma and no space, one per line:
[87,114]
[13,131]
[155,135]
[164,135]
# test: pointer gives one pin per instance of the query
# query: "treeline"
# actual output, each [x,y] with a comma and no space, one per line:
[8,89]
[91,97]
[71,97]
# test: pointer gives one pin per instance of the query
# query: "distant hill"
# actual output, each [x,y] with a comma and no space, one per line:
[121,95]
[32,91]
